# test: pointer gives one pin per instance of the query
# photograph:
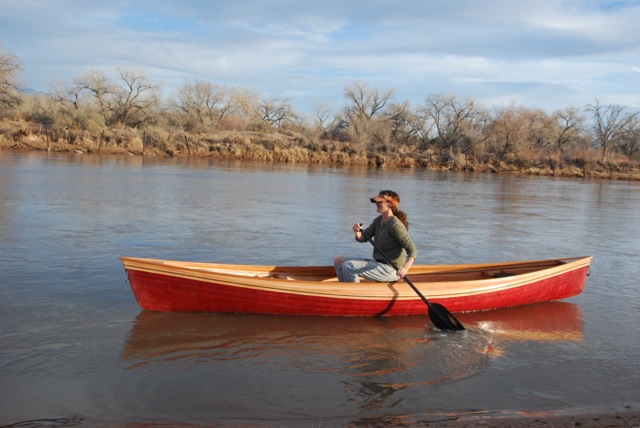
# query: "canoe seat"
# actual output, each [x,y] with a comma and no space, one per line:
[500,274]
[279,276]
[503,274]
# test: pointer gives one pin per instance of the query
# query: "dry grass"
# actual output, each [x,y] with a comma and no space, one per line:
[274,147]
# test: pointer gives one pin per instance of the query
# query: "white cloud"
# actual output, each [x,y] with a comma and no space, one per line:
[538,54]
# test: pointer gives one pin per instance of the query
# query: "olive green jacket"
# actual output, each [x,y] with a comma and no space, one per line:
[392,238]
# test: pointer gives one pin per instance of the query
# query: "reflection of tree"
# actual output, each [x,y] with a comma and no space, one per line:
[376,362]
[377,374]
[376,395]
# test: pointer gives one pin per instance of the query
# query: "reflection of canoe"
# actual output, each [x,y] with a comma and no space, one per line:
[157,334]
[378,355]
[170,336]
[543,322]
[163,285]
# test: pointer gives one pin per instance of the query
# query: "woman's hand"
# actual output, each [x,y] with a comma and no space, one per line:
[405,268]
[357,227]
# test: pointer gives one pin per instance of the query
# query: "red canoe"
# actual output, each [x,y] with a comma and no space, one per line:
[163,285]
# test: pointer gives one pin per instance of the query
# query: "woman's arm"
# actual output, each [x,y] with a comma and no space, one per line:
[405,268]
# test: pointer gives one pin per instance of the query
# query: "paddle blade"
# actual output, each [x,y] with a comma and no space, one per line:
[442,318]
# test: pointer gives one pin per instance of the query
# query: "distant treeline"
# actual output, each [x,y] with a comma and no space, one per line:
[126,113]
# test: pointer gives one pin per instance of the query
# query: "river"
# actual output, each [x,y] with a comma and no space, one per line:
[74,343]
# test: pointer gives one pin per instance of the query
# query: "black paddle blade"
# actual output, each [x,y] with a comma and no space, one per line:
[440,316]
[443,319]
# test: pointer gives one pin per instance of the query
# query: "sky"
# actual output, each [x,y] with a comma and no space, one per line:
[546,54]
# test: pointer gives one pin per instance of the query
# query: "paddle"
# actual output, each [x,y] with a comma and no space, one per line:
[440,316]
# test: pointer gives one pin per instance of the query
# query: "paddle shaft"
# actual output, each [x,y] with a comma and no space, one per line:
[393,265]
[440,316]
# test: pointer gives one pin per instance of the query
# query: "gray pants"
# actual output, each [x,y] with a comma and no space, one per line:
[353,268]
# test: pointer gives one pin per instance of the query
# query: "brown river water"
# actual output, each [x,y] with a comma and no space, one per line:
[76,347]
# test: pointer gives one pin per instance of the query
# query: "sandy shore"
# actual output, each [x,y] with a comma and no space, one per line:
[625,418]
[622,418]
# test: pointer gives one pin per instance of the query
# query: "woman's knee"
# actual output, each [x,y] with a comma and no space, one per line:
[338,261]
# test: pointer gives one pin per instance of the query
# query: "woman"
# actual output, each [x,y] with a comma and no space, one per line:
[390,232]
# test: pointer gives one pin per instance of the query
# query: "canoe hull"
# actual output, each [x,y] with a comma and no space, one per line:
[163,286]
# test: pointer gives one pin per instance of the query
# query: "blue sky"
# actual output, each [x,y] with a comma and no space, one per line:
[548,54]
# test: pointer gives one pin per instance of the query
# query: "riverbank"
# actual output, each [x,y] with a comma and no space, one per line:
[626,418]
[279,148]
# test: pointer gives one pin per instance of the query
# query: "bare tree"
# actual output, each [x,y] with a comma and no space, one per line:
[610,125]
[189,102]
[366,106]
[540,130]
[456,126]
[245,103]
[98,88]
[67,106]
[366,102]
[337,129]
[203,103]
[9,85]
[326,125]
[630,143]
[508,131]
[66,96]
[321,116]
[276,112]
[406,126]
[570,127]
[434,112]
[135,100]
[131,101]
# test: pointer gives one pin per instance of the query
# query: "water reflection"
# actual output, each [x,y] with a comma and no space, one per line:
[372,358]
[158,337]
[543,322]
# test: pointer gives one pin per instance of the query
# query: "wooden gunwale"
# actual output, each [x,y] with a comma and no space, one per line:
[319,280]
